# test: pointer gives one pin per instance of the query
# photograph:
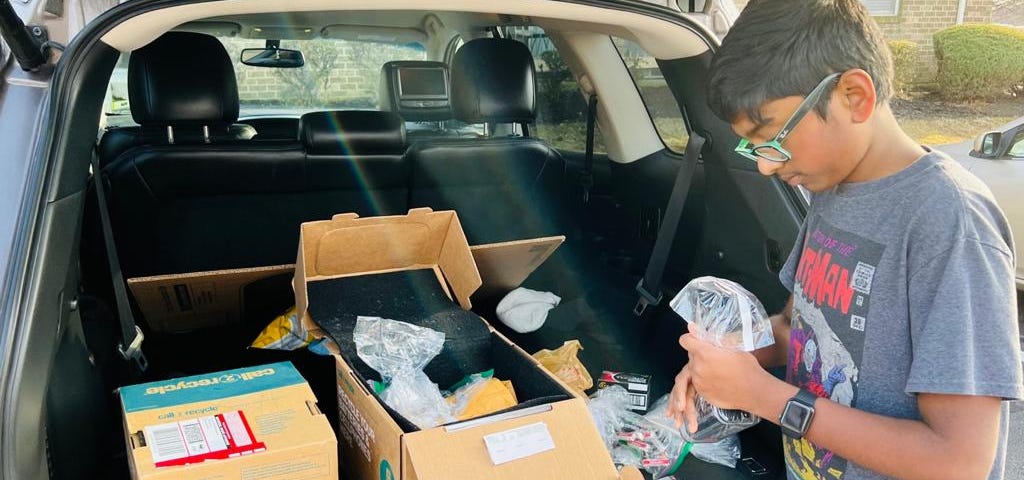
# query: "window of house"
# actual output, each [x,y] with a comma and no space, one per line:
[882,8]
[661,104]
[561,107]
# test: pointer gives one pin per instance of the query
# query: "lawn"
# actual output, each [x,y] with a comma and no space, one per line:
[933,122]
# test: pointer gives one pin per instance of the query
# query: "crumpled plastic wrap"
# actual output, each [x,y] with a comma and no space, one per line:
[390,346]
[418,399]
[723,313]
[632,439]
[399,351]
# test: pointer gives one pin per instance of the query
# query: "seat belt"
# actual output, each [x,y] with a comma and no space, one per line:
[649,287]
[130,347]
[587,176]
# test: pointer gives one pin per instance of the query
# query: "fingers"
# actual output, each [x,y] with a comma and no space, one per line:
[690,410]
[677,400]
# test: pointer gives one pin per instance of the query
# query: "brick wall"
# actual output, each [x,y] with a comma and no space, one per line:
[918,20]
[337,74]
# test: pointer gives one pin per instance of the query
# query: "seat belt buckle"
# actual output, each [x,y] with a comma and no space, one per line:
[134,351]
[646,298]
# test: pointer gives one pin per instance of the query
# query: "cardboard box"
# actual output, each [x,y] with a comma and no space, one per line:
[191,301]
[638,385]
[197,300]
[553,440]
[258,422]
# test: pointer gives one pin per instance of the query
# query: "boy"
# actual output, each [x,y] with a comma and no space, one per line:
[900,338]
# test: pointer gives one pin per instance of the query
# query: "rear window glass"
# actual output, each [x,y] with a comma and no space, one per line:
[338,74]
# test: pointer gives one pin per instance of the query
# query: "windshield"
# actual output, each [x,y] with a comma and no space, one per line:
[338,74]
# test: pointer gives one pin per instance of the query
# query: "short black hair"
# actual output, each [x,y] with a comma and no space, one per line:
[782,48]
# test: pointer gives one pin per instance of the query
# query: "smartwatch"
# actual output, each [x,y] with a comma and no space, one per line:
[796,417]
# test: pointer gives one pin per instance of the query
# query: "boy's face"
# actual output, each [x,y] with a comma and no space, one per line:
[823,153]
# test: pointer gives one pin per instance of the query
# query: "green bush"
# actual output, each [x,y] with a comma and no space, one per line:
[904,60]
[979,61]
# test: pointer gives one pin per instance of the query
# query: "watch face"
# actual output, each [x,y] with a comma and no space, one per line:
[796,416]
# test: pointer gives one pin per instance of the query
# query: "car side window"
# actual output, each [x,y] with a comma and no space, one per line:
[661,104]
[561,107]
[1017,147]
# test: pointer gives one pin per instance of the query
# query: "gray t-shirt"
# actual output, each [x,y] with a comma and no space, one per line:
[902,285]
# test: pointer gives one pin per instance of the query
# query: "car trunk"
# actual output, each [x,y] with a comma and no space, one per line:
[609,241]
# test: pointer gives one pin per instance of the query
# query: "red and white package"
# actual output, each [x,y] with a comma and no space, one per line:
[196,440]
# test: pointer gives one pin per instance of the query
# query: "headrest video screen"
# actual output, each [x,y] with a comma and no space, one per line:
[422,82]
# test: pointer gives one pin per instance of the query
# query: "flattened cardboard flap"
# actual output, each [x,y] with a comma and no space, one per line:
[504,266]
[188,301]
[348,245]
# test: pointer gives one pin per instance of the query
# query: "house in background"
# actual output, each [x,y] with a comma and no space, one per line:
[918,20]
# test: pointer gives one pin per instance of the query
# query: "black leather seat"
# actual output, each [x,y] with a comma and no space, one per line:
[182,90]
[503,188]
[186,208]
[357,154]
[202,204]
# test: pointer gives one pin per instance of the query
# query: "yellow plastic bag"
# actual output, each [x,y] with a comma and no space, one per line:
[284,333]
[566,365]
[489,395]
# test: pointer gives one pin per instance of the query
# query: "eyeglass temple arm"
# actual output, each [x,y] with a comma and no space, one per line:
[808,104]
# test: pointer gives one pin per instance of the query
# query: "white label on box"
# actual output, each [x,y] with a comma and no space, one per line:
[637,387]
[519,443]
[166,442]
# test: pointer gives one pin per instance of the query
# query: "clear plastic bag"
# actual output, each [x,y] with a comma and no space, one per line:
[607,407]
[652,444]
[723,313]
[418,399]
[390,346]
[399,351]
[725,452]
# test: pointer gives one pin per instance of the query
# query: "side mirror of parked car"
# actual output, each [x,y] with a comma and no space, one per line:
[987,145]
[272,57]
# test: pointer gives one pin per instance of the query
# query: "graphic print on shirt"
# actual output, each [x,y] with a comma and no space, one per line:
[831,296]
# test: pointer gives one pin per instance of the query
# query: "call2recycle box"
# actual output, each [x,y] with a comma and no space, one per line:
[256,422]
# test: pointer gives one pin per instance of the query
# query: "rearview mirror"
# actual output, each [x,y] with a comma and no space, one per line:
[272,57]
[987,144]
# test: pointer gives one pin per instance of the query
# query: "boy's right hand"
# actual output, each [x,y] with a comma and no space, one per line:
[682,404]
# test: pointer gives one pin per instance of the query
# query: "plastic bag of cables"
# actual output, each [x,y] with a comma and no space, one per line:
[725,314]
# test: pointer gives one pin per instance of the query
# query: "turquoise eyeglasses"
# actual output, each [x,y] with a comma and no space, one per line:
[772,150]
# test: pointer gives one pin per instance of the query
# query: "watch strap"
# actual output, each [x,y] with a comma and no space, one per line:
[805,397]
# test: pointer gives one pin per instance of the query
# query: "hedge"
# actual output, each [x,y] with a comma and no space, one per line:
[904,60]
[979,61]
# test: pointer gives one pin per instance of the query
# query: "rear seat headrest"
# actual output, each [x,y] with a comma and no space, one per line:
[433,104]
[352,132]
[182,78]
[493,81]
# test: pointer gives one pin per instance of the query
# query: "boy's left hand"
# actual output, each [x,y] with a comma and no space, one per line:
[725,378]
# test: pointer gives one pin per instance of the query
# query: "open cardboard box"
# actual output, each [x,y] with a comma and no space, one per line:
[555,439]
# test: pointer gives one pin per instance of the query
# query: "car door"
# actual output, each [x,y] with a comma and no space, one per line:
[1005,177]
